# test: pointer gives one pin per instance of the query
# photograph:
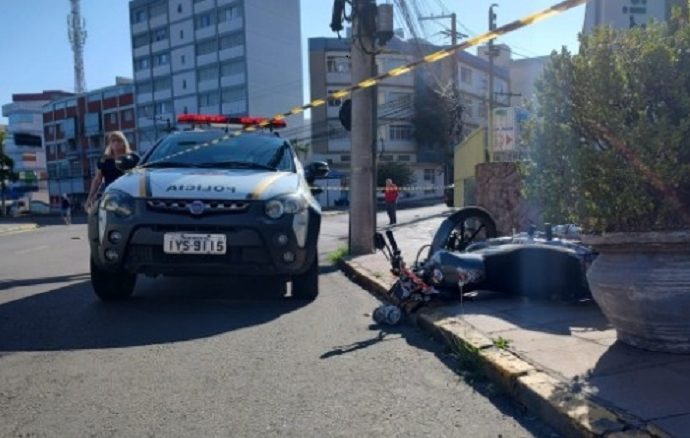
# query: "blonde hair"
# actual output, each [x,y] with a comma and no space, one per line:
[116,135]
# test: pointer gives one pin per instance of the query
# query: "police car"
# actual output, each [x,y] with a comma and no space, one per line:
[209,202]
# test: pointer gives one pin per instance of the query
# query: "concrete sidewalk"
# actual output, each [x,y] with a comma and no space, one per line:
[561,361]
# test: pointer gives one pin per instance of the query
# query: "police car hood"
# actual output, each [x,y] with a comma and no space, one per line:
[207,183]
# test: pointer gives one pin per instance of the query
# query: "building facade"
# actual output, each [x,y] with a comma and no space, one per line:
[624,14]
[24,142]
[232,57]
[329,70]
[74,130]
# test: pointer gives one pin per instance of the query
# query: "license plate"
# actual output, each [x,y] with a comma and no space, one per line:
[188,243]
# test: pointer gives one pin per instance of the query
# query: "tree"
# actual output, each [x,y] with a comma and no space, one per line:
[611,140]
[401,174]
[7,173]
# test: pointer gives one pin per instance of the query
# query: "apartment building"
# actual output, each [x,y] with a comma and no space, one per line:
[24,142]
[232,57]
[329,70]
[74,130]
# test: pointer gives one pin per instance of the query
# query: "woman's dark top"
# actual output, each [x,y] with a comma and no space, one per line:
[109,170]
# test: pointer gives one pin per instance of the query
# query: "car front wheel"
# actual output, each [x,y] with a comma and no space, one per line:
[305,286]
[111,286]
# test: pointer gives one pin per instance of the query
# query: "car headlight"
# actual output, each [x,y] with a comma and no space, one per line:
[291,204]
[119,203]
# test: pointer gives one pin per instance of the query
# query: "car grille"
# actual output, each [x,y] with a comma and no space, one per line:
[148,254]
[210,207]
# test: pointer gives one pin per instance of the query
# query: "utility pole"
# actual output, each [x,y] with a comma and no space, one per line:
[363,140]
[489,126]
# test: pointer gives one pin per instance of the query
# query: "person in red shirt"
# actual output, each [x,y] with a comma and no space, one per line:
[390,195]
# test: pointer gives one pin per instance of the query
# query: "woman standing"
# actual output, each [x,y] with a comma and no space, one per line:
[117,146]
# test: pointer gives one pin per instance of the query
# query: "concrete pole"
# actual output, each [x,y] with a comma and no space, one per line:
[362,184]
[490,122]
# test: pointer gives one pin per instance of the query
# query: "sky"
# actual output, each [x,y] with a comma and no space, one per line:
[36,53]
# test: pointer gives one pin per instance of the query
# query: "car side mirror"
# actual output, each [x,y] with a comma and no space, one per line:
[317,169]
[127,162]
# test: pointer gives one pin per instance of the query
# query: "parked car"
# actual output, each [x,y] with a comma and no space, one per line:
[449,195]
[205,202]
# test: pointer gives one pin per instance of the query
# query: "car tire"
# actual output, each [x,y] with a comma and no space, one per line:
[111,286]
[305,286]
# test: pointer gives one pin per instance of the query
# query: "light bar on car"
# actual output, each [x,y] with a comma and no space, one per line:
[220,119]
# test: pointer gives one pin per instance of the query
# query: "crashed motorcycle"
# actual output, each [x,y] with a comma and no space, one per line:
[467,255]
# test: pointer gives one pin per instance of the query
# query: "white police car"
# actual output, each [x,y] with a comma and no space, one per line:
[208,202]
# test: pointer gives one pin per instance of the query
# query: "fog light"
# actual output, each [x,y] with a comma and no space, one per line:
[281,239]
[111,255]
[115,237]
[288,256]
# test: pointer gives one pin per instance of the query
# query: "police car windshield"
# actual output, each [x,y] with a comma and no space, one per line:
[244,151]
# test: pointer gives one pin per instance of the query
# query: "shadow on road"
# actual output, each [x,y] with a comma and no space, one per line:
[162,311]
[10,283]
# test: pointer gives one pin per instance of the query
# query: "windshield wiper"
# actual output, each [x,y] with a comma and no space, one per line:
[237,165]
[170,164]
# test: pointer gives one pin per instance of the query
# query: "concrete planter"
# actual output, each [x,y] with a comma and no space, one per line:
[641,281]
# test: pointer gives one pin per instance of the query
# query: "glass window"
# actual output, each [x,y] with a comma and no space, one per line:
[229,13]
[233,94]
[466,75]
[230,68]
[251,149]
[206,47]
[144,87]
[399,97]
[232,40]
[203,20]
[338,64]
[163,107]
[160,8]
[332,101]
[403,158]
[209,73]
[400,132]
[140,40]
[210,98]
[146,110]
[141,63]
[21,118]
[161,84]
[159,34]
[161,59]
[139,15]
[127,115]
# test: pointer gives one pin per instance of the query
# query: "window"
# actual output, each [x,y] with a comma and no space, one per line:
[182,59]
[229,13]
[344,158]
[161,59]
[232,68]
[184,84]
[140,40]
[386,158]
[181,33]
[111,118]
[139,16]
[403,158]
[141,63]
[399,97]
[400,132]
[466,75]
[163,107]
[179,8]
[468,108]
[159,8]
[430,175]
[159,34]
[206,47]
[146,110]
[231,95]
[203,20]
[391,63]
[21,118]
[161,84]
[210,98]
[482,110]
[144,87]
[209,73]
[229,41]
[338,64]
[127,115]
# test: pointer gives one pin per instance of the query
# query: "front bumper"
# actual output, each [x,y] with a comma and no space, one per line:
[251,238]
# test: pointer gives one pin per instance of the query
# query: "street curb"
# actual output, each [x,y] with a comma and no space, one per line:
[568,412]
[18,228]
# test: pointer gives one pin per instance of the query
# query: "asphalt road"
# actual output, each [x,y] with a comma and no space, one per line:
[217,357]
